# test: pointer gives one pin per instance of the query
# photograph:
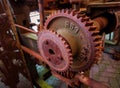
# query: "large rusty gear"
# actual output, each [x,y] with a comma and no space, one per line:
[55,50]
[83,38]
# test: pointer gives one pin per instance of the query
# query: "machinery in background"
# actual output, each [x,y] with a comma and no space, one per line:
[71,41]
[13,69]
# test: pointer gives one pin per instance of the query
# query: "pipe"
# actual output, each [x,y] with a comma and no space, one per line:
[27,29]
[41,12]
[33,53]
[100,23]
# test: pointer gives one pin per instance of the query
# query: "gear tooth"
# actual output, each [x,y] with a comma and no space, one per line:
[75,16]
[82,20]
[66,45]
[45,26]
[89,23]
[78,16]
[57,34]
[70,54]
[92,28]
[63,10]
[54,12]
[61,38]
[97,38]
[53,31]
[99,49]
[73,12]
[82,15]
[97,43]
[71,59]
[59,11]
[71,62]
[86,19]
[94,33]
[69,50]
[48,17]
[67,11]
[78,12]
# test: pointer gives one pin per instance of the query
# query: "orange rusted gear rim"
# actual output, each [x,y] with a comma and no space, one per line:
[89,41]
[55,50]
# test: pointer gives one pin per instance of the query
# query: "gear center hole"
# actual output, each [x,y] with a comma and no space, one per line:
[51,51]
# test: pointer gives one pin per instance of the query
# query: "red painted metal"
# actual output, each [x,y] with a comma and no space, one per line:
[24,28]
[33,53]
[41,9]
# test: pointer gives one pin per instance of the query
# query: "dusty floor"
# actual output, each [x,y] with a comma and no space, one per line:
[107,71]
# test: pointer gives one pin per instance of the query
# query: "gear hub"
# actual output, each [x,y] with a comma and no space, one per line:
[55,50]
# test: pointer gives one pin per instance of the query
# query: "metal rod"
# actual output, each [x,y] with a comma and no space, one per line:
[8,12]
[27,29]
[90,82]
[41,12]
[10,17]
[33,53]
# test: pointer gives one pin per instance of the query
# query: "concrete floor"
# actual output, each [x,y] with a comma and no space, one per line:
[107,71]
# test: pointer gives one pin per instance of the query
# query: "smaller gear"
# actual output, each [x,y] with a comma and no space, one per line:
[55,50]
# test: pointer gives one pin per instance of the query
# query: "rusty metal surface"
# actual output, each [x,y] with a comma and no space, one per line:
[83,29]
[89,82]
[86,51]
[107,10]
[11,60]
[55,50]
[41,9]
[24,28]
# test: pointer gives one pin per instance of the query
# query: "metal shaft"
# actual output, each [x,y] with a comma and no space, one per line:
[33,53]
[41,12]
[27,29]
[90,82]
[100,23]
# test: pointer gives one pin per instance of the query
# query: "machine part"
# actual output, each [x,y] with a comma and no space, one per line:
[12,63]
[27,29]
[40,4]
[100,23]
[33,53]
[89,82]
[107,10]
[78,30]
[55,50]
